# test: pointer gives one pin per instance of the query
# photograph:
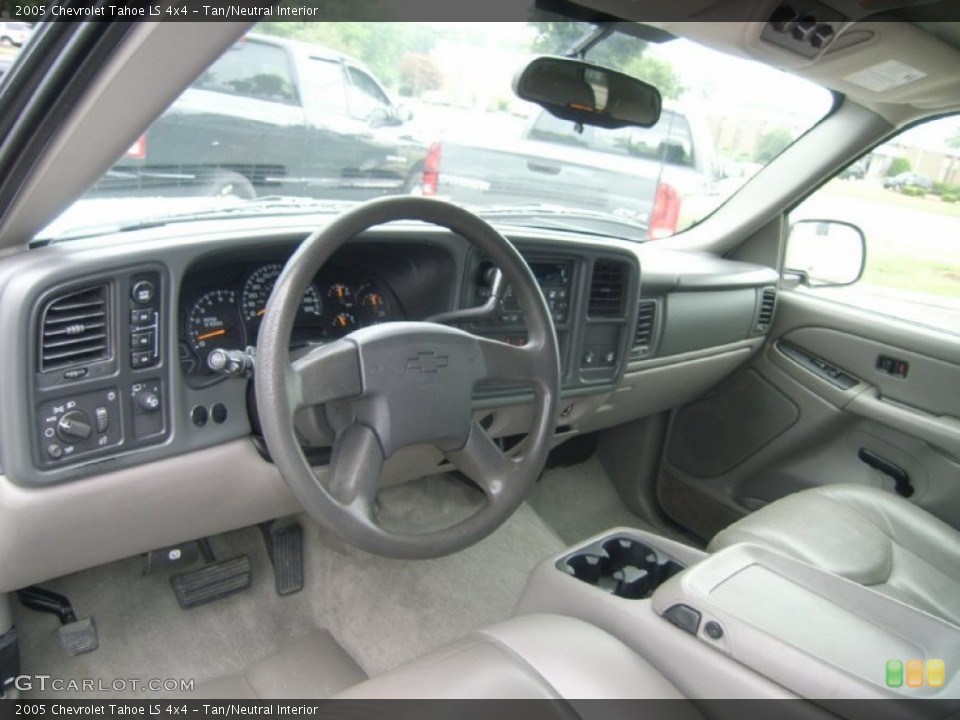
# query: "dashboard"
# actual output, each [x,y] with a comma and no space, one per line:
[120,328]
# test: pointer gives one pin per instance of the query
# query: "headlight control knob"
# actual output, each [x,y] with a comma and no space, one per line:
[74,425]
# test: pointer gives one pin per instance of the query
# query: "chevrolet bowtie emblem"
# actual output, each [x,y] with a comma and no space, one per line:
[428,362]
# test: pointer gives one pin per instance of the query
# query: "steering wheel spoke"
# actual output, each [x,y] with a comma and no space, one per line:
[508,362]
[483,462]
[356,465]
[328,372]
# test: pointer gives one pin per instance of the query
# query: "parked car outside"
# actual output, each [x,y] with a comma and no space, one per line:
[908,179]
[327,124]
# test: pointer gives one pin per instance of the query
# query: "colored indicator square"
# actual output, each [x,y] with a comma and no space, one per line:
[894,673]
[936,673]
[914,673]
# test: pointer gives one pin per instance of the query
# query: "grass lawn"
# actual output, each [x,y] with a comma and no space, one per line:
[867,190]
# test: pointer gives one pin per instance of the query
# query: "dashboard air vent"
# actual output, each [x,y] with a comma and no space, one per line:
[75,329]
[607,290]
[643,337]
[768,303]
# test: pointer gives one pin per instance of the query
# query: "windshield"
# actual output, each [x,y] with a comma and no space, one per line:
[307,117]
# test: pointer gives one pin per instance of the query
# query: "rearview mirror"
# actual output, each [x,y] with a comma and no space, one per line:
[588,94]
[826,253]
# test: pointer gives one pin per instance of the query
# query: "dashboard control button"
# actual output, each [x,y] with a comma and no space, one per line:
[103,419]
[141,317]
[219,413]
[142,292]
[141,340]
[75,373]
[140,359]
[199,415]
[55,451]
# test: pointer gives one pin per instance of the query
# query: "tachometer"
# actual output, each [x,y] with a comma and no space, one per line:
[257,289]
[215,323]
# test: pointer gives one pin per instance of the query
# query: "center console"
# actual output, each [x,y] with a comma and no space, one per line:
[746,622]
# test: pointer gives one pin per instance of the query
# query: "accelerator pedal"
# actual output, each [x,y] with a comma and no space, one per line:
[212,582]
[76,636]
[285,548]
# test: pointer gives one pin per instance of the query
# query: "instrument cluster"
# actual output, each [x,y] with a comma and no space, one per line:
[228,315]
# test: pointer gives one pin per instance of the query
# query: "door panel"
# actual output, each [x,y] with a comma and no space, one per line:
[822,360]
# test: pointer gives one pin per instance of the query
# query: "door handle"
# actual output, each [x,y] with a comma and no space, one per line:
[901,478]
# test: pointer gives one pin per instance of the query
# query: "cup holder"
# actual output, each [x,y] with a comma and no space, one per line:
[622,566]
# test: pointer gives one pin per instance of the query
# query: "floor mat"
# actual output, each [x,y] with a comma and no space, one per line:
[383,612]
[578,501]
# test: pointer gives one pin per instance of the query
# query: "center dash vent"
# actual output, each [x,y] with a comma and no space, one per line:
[644,336]
[75,329]
[607,290]
[765,309]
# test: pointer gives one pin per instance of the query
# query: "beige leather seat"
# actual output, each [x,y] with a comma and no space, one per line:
[867,535]
[527,657]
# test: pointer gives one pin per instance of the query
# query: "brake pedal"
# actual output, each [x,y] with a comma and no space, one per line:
[79,637]
[76,636]
[285,548]
[212,582]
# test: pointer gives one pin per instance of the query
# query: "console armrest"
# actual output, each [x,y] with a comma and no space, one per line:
[815,633]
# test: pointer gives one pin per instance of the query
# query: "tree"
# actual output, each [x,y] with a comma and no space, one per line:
[954,140]
[658,73]
[418,73]
[899,165]
[772,143]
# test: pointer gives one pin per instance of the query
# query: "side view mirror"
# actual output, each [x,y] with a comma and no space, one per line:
[826,253]
[388,117]
[588,94]
[404,113]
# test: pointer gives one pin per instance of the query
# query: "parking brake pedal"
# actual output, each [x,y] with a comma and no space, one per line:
[212,582]
[285,547]
[76,636]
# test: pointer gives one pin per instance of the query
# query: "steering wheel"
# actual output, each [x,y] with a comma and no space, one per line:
[390,386]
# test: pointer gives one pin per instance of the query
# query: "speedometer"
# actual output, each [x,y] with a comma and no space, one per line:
[257,289]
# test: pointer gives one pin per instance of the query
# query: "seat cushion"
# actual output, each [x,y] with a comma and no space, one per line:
[528,657]
[872,537]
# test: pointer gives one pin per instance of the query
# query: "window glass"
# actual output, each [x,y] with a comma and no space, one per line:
[905,196]
[364,94]
[326,79]
[254,70]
